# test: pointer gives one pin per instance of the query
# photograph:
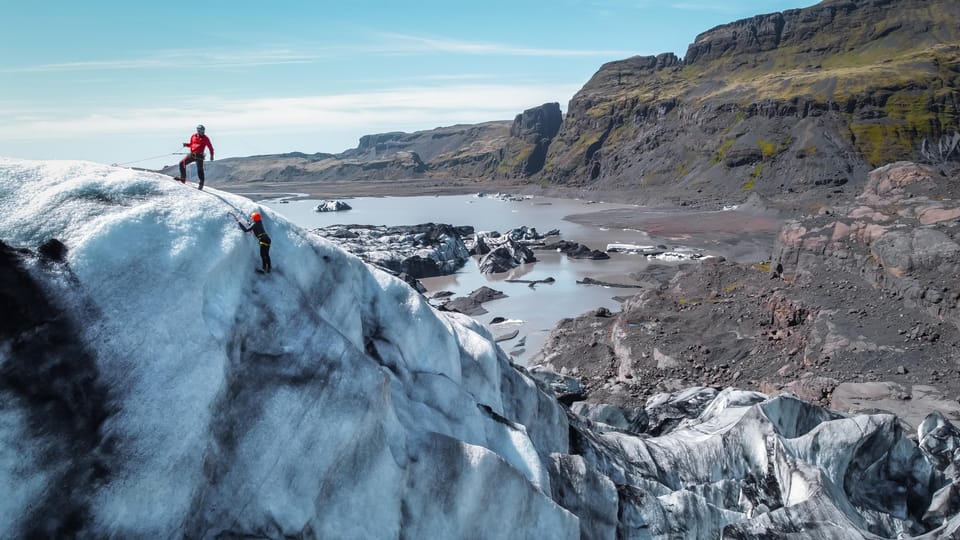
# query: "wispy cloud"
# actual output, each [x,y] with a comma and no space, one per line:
[184,58]
[400,108]
[703,6]
[735,9]
[457,77]
[619,7]
[390,43]
[405,43]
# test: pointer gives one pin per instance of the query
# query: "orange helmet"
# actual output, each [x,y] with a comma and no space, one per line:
[255,216]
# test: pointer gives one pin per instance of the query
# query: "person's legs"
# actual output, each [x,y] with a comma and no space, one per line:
[183,168]
[265,257]
[200,170]
[190,158]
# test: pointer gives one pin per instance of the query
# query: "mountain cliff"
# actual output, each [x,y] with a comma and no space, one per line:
[791,106]
[777,104]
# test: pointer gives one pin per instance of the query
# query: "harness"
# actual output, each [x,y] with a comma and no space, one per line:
[264,241]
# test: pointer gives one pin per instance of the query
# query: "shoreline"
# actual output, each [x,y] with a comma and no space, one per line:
[354,189]
[657,219]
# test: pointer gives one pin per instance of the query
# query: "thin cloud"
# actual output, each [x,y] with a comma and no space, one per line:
[404,107]
[437,77]
[692,6]
[181,59]
[272,56]
[409,43]
[734,10]
[459,77]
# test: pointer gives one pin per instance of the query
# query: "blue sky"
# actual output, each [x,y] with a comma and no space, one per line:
[127,82]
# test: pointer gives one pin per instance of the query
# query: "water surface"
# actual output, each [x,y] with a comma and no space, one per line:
[540,307]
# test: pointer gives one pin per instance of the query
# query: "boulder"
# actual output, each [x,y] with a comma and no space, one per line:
[576,250]
[507,255]
[473,303]
[332,206]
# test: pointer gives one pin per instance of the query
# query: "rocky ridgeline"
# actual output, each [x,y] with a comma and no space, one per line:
[857,310]
[835,25]
[722,121]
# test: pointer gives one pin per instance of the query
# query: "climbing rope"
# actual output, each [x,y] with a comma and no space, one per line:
[148,159]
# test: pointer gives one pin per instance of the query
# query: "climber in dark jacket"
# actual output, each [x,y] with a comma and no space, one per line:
[262,237]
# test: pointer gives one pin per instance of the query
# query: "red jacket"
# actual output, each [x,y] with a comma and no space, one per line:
[198,143]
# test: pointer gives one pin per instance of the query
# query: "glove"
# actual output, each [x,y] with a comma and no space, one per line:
[186,145]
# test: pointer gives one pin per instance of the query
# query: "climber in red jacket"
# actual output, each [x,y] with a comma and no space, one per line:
[198,142]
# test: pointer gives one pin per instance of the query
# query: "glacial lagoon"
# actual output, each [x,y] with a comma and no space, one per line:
[533,311]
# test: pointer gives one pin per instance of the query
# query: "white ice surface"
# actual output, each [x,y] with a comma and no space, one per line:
[296,400]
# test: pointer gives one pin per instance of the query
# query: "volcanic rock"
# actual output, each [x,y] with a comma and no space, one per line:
[332,206]
[420,251]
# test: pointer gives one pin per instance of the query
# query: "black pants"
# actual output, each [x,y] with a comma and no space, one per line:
[265,256]
[198,158]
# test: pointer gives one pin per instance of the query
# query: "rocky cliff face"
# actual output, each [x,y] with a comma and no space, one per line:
[832,27]
[530,136]
[798,102]
[462,151]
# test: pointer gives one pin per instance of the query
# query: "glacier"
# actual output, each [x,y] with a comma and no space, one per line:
[153,385]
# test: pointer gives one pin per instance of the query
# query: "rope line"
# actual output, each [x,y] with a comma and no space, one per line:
[225,203]
[149,158]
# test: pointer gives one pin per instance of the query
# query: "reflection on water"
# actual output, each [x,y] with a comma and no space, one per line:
[539,306]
